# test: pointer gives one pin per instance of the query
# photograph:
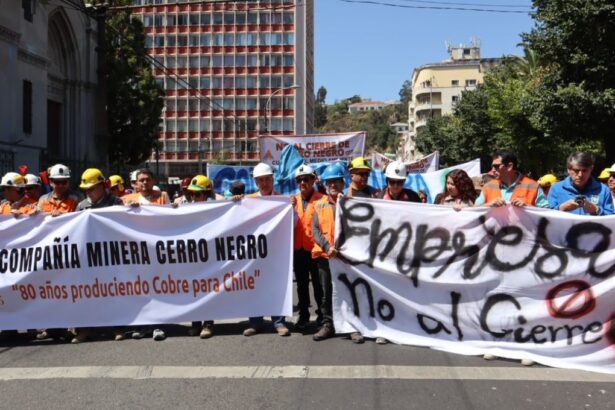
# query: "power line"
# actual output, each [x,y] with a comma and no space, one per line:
[404,6]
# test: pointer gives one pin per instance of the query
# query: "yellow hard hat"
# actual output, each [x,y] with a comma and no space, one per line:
[359,163]
[200,183]
[116,180]
[605,174]
[547,180]
[91,177]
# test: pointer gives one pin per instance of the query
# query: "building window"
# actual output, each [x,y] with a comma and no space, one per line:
[470,83]
[455,99]
[28,9]
[455,83]
[27,107]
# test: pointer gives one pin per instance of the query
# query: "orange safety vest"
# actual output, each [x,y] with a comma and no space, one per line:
[161,199]
[258,194]
[526,190]
[326,223]
[304,238]
[48,203]
[24,205]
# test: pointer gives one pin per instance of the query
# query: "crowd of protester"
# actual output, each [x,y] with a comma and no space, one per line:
[314,206]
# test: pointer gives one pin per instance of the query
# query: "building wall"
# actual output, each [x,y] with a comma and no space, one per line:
[55,53]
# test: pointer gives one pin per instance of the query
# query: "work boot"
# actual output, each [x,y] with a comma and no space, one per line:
[325,332]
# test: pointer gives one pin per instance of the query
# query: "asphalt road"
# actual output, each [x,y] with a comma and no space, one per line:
[230,371]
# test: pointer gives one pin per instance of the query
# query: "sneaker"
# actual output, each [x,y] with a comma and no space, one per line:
[120,336]
[325,332]
[158,335]
[207,332]
[489,356]
[528,362]
[302,322]
[282,330]
[42,335]
[251,331]
[80,337]
[381,341]
[357,338]
[137,334]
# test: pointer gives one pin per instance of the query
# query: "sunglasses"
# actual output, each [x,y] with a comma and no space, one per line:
[303,179]
[496,166]
[60,181]
[396,182]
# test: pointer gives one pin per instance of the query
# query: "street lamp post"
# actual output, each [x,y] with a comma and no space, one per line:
[268,105]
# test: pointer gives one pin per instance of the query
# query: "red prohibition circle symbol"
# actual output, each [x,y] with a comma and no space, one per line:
[571,300]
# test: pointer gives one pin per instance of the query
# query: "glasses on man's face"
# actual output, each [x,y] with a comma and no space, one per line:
[397,182]
[496,166]
[60,181]
[303,180]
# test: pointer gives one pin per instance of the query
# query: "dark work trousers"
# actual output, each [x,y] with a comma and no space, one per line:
[326,306]
[306,268]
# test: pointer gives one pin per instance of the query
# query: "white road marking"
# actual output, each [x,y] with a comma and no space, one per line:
[304,372]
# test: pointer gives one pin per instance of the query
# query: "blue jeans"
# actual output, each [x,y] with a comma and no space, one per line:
[258,321]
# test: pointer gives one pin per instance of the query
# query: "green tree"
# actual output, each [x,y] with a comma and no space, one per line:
[320,111]
[575,40]
[134,100]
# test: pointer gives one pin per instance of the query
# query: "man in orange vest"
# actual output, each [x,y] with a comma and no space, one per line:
[323,227]
[146,194]
[60,200]
[304,266]
[510,186]
[14,203]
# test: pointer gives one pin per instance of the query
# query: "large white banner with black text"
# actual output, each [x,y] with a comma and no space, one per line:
[123,266]
[514,282]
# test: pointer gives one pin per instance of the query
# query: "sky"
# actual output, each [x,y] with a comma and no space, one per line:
[370,50]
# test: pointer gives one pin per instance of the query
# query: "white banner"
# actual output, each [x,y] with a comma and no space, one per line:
[515,282]
[129,266]
[314,148]
[428,163]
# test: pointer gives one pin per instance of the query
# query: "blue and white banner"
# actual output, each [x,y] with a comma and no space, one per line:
[224,175]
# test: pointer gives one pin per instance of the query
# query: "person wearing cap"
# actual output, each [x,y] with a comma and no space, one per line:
[604,176]
[510,186]
[133,181]
[116,186]
[93,183]
[33,187]
[146,194]
[263,177]
[546,181]
[580,193]
[184,197]
[396,174]
[359,176]
[14,202]
[304,266]
[323,231]
[60,200]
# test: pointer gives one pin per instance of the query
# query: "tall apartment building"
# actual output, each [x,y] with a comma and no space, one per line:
[437,87]
[249,66]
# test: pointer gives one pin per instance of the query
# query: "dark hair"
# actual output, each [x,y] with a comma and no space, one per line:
[584,159]
[145,171]
[238,188]
[464,185]
[507,158]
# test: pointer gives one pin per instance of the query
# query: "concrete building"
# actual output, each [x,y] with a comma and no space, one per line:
[366,105]
[49,107]
[437,87]
[249,66]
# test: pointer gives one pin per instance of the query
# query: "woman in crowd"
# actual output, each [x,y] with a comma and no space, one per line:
[459,192]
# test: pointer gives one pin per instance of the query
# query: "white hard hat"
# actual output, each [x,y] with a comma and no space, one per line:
[133,175]
[156,188]
[32,179]
[262,169]
[59,171]
[396,170]
[304,170]
[12,179]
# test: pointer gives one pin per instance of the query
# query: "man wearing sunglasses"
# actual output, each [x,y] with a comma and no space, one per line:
[510,186]
[33,187]
[396,174]
[359,175]
[304,266]
[60,200]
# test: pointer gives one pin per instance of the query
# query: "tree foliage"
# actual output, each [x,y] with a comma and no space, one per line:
[134,100]
[320,110]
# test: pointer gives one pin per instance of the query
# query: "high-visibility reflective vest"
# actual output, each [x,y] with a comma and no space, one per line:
[24,205]
[326,224]
[48,203]
[526,190]
[304,238]
[157,198]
